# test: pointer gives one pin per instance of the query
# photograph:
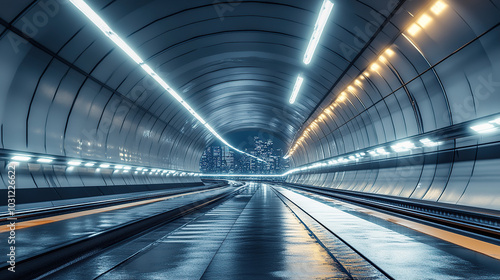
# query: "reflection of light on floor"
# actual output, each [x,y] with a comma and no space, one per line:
[43,221]
[304,256]
[460,240]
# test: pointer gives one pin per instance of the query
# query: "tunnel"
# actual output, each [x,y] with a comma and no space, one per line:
[389,113]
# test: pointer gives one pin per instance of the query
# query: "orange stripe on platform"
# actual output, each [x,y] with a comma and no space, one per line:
[48,220]
[470,243]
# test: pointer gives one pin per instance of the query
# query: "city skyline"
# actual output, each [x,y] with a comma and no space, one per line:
[221,159]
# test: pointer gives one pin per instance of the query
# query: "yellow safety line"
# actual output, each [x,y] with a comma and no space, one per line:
[48,220]
[470,243]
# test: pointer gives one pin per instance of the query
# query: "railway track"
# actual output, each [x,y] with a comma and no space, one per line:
[55,258]
[478,222]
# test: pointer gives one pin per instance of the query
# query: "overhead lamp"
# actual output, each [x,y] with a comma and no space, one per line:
[324,14]
[118,166]
[139,168]
[104,165]
[89,164]
[21,158]
[127,167]
[296,89]
[108,32]
[484,128]
[74,163]
[45,160]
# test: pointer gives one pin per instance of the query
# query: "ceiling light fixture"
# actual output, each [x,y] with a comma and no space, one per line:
[324,14]
[296,89]
[103,26]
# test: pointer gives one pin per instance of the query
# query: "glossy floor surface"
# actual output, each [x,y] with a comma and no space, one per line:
[262,232]
[251,236]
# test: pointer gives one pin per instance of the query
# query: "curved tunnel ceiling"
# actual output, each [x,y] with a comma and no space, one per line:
[71,92]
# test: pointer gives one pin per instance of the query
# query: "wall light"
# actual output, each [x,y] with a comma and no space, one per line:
[429,143]
[484,128]
[21,158]
[403,146]
[438,7]
[424,20]
[414,29]
[382,151]
[497,121]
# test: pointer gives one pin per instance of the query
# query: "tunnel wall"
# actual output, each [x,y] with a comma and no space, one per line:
[66,91]
[446,76]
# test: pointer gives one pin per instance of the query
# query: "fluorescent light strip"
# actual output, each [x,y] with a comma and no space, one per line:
[484,128]
[21,158]
[324,14]
[102,25]
[240,175]
[296,89]
[45,160]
